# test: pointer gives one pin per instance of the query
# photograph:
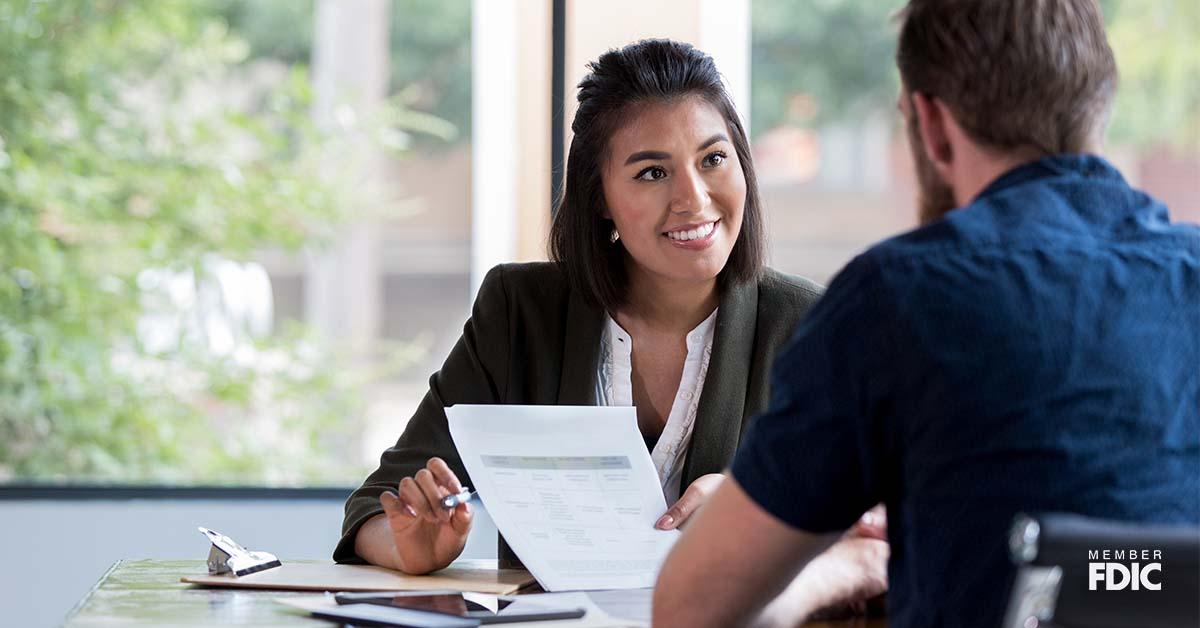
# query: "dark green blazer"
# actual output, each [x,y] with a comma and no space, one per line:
[533,340]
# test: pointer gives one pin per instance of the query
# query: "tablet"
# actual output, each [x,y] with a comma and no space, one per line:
[453,604]
[377,615]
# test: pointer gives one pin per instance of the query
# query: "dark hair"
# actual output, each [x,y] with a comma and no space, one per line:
[1015,73]
[651,70]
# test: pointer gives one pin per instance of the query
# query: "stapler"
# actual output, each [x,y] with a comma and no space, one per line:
[226,556]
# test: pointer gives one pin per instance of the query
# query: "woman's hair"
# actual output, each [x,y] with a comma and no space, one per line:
[648,71]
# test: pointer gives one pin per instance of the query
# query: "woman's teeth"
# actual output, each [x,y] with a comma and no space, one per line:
[692,234]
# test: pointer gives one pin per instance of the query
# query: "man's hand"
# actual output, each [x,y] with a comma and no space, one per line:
[427,537]
[732,561]
[692,499]
[839,582]
[872,525]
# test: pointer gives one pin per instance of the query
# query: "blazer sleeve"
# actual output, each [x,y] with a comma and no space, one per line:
[476,371]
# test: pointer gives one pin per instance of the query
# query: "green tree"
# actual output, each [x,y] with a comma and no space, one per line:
[110,165]
[429,64]
[820,61]
[1158,56]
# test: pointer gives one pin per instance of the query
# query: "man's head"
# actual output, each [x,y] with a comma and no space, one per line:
[988,84]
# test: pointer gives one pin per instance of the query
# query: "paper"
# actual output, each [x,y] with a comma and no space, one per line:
[572,489]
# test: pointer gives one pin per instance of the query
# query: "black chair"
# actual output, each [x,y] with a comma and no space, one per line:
[1064,578]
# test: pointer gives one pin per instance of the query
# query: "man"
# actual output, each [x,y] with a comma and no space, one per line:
[1036,349]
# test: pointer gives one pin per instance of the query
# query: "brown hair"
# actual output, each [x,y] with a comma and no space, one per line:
[648,71]
[1015,73]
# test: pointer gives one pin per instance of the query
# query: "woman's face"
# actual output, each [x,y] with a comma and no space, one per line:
[675,190]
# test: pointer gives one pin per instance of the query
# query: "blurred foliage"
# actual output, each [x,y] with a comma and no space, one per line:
[1157,45]
[430,62]
[820,61]
[134,136]
[826,61]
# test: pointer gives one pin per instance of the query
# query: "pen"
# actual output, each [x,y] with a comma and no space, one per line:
[450,502]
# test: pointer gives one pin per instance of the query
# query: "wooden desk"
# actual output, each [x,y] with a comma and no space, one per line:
[148,593]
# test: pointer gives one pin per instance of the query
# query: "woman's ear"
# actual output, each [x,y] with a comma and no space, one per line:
[933,118]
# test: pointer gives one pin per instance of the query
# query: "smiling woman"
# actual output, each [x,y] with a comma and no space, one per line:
[677,198]
[656,298]
[661,147]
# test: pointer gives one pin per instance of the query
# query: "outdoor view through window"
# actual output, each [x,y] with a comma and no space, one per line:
[235,237]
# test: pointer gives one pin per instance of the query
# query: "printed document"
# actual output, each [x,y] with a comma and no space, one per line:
[572,489]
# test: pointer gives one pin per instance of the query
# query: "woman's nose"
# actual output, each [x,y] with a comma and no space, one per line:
[690,193]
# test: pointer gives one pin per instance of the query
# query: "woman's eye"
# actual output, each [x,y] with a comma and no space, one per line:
[714,159]
[653,173]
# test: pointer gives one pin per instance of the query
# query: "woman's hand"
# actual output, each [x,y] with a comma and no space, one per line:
[692,499]
[427,536]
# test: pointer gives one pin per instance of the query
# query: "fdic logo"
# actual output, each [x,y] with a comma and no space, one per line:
[1133,572]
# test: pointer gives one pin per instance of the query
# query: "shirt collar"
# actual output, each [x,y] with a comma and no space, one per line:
[618,339]
[1082,165]
[703,333]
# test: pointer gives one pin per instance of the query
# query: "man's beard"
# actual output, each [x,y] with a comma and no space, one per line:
[935,198]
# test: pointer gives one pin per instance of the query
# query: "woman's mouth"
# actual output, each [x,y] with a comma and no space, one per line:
[694,236]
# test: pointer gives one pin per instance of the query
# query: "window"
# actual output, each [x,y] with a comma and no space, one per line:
[235,234]
[832,158]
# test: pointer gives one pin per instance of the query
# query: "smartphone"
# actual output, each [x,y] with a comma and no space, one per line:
[454,604]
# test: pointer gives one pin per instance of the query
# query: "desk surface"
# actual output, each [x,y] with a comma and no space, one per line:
[148,593]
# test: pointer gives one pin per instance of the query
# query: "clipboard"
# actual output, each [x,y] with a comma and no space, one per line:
[474,576]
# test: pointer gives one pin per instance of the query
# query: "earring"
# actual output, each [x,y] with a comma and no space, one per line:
[614,236]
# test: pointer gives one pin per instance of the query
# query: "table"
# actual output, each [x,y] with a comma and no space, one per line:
[149,593]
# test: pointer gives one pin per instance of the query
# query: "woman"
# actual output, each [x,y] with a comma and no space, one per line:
[657,297]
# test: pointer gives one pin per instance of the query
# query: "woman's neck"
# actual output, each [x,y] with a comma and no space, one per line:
[668,305]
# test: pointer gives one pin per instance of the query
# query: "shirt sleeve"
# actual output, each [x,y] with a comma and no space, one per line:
[476,371]
[811,459]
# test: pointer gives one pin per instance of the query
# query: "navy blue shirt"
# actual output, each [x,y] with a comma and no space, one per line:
[1036,350]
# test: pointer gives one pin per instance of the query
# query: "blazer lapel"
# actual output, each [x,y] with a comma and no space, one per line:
[581,351]
[723,401]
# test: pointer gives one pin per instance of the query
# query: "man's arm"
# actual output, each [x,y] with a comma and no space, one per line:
[734,558]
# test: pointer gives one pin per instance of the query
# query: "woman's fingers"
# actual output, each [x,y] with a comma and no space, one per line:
[460,518]
[444,476]
[399,514]
[433,494]
[676,514]
[413,497]
[691,501]
[420,496]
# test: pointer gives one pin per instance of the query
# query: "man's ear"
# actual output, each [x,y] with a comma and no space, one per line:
[933,118]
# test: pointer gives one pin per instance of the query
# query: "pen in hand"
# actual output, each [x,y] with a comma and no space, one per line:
[450,502]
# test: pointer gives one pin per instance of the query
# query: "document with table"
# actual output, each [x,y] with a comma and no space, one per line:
[572,489]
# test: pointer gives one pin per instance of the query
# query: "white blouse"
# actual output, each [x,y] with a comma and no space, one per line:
[614,387]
